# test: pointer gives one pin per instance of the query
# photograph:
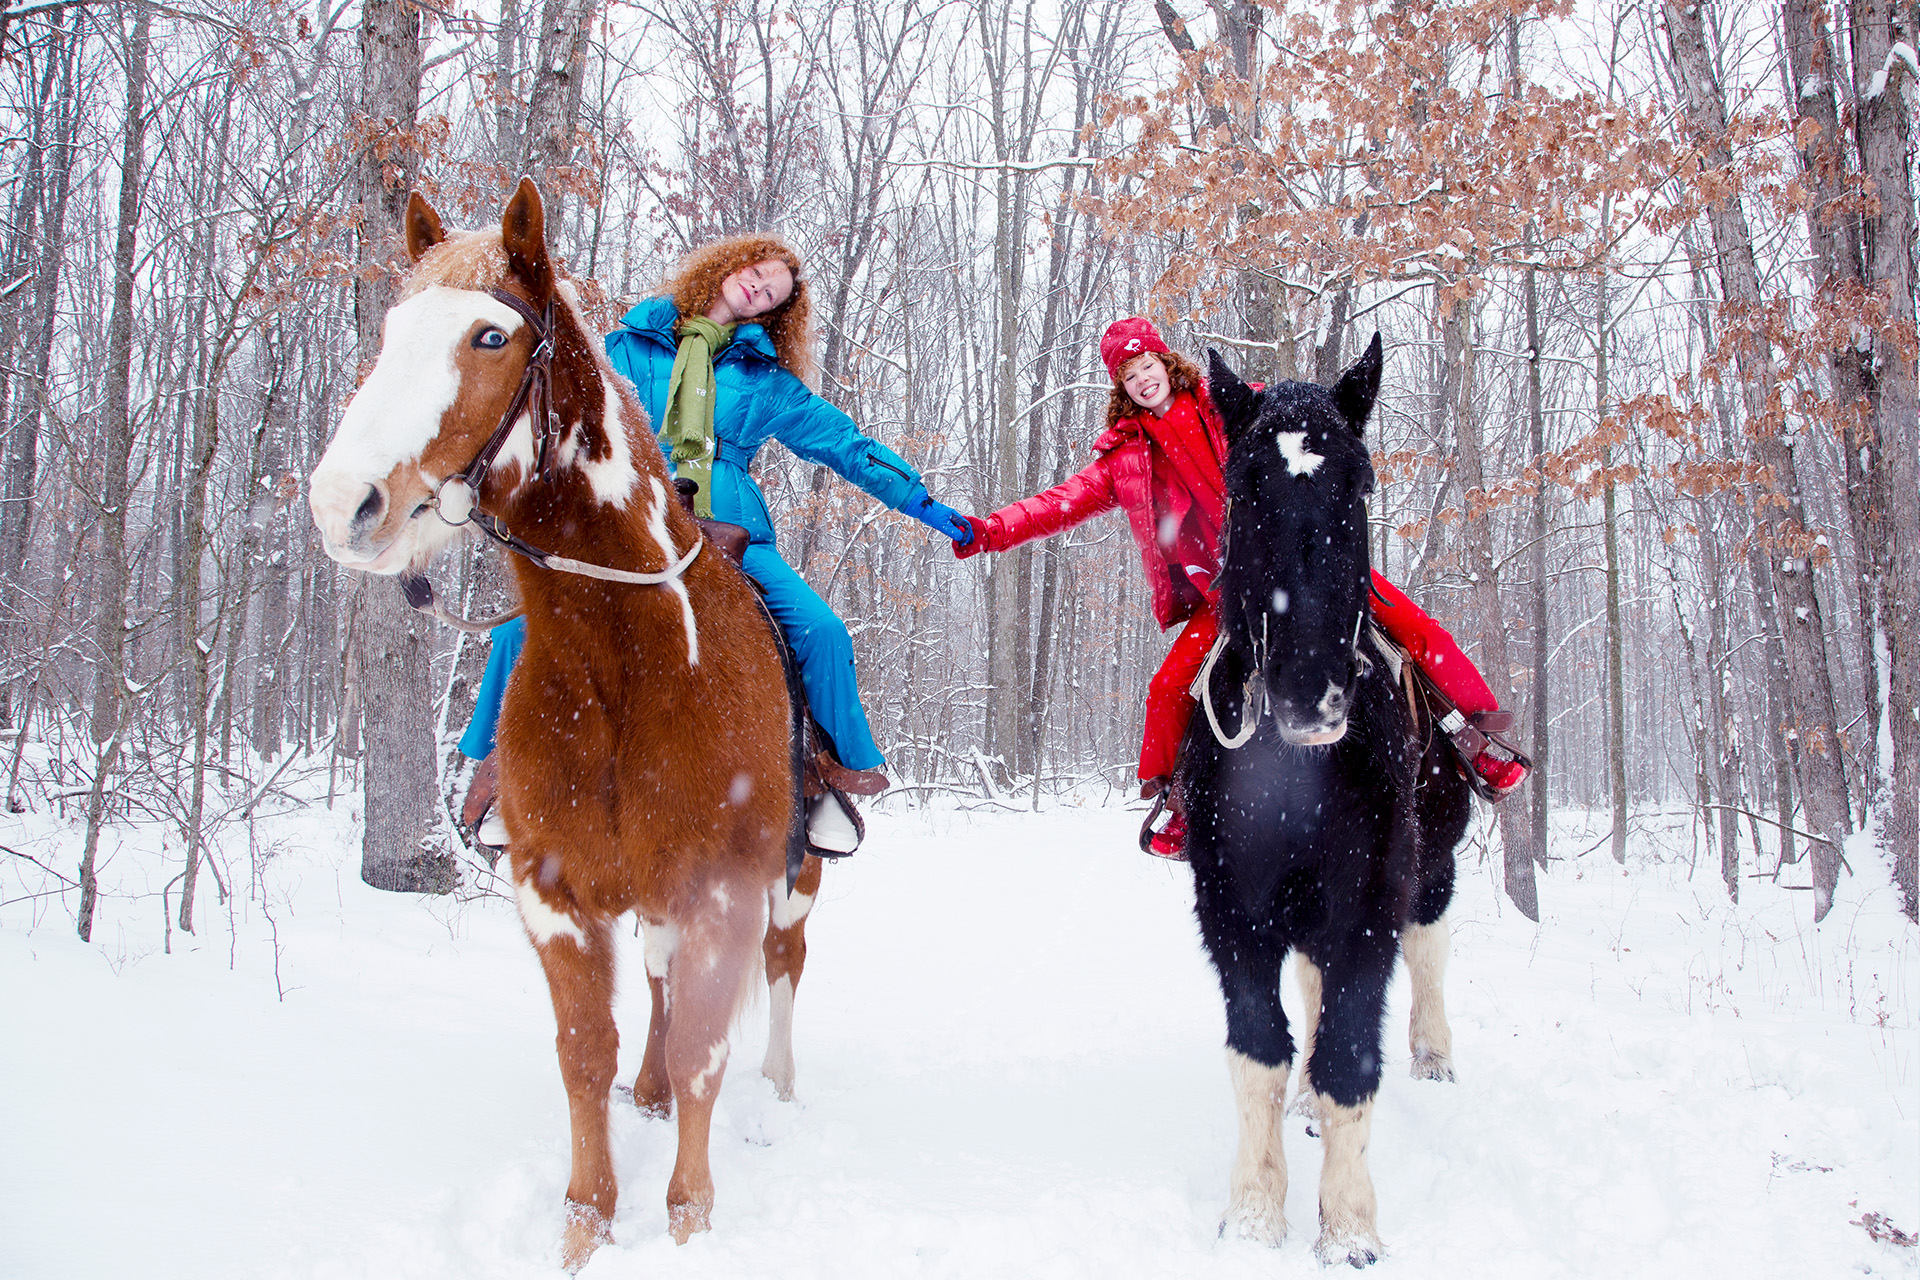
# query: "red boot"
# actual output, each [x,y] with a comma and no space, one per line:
[1494,767]
[1170,841]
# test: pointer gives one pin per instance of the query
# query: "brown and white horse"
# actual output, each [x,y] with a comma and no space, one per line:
[644,744]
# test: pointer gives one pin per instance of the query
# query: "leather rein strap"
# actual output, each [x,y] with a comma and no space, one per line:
[458,499]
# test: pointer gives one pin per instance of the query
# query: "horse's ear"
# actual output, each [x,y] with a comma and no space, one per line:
[1232,397]
[523,230]
[1359,386]
[423,227]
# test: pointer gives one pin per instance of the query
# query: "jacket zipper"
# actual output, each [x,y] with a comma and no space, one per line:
[878,461]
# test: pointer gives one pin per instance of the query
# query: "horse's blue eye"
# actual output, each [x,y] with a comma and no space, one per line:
[492,339]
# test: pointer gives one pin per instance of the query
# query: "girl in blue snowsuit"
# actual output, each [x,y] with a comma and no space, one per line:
[753,291]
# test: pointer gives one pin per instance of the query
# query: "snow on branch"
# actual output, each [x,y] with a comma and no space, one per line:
[1902,52]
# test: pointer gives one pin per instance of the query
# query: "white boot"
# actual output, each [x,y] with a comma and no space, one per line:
[830,828]
[492,830]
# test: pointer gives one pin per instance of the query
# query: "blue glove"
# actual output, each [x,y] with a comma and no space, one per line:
[938,516]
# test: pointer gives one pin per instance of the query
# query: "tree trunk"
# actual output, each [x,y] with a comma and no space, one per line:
[553,104]
[28,421]
[394,667]
[1515,844]
[1790,551]
[1616,637]
[1833,233]
[108,726]
[1883,138]
[1539,703]
[509,141]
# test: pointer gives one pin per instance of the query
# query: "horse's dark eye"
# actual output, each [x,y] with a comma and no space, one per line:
[491,339]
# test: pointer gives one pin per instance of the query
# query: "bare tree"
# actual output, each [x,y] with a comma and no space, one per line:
[393,666]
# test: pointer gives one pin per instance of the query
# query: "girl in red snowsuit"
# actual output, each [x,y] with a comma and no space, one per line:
[1162,459]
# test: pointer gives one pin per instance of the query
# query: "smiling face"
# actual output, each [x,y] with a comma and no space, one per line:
[1145,379]
[752,292]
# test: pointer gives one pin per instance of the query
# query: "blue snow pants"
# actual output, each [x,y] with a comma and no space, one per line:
[818,638]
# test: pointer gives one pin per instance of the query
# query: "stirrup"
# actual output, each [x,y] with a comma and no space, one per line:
[490,833]
[834,826]
[1146,828]
[1482,734]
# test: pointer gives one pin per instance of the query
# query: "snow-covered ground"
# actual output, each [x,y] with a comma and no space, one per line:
[1009,1050]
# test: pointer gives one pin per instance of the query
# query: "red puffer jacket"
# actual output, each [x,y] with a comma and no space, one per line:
[1120,475]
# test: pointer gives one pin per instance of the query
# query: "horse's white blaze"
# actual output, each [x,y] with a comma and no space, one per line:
[1256,1205]
[1424,947]
[660,939]
[1301,461]
[778,1064]
[657,526]
[716,1063]
[1347,1207]
[543,923]
[398,410]
[789,909]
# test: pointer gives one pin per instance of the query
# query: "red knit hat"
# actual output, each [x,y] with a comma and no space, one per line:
[1125,339]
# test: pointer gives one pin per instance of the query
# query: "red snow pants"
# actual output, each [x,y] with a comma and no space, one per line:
[1430,645]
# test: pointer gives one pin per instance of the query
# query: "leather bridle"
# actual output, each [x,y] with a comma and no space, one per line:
[459,493]
[457,501]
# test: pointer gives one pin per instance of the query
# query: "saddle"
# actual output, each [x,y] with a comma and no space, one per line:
[816,772]
[1468,735]
[731,539]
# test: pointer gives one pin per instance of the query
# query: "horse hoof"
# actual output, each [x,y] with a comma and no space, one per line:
[1261,1223]
[781,1075]
[1432,1066]
[653,1101]
[684,1221]
[587,1229]
[1356,1251]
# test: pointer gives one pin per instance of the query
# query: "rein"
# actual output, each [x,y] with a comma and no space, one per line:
[1250,716]
[457,501]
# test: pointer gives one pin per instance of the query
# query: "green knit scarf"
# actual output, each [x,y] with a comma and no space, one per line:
[689,413]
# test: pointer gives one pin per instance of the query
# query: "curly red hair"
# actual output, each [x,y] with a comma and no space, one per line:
[1182,375]
[695,282]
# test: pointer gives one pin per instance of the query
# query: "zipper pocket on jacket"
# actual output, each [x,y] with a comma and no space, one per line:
[879,461]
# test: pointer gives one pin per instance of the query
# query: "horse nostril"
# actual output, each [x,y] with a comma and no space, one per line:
[370,509]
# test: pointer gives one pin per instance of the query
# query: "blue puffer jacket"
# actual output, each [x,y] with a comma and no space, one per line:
[755,399]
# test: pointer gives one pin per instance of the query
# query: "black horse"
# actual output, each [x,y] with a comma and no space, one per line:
[1328,827]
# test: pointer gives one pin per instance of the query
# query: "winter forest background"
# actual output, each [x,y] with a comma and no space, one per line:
[1648,442]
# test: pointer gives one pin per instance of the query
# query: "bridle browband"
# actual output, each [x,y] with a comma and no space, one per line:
[457,501]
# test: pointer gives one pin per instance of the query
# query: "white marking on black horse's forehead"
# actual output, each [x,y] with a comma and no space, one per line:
[1301,461]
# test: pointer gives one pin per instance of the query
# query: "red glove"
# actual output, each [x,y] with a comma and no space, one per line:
[974,545]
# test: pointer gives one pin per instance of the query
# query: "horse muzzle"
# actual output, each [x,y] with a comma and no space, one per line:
[1320,725]
[358,523]
[1319,736]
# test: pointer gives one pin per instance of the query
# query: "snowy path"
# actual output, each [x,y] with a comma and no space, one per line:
[1008,1043]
